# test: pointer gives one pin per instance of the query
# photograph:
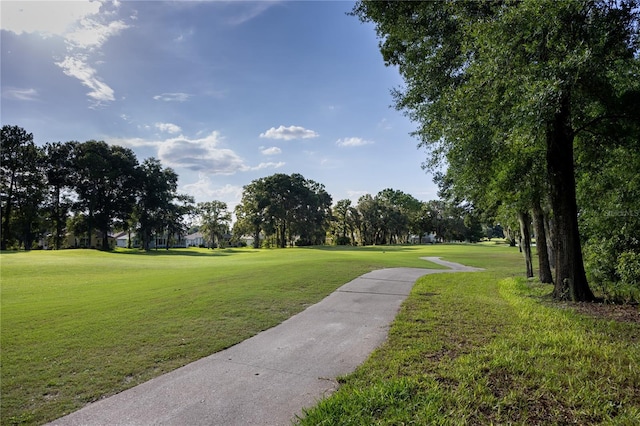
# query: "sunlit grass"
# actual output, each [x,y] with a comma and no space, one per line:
[484,349]
[79,325]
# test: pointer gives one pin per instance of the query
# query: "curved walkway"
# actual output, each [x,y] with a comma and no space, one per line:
[269,378]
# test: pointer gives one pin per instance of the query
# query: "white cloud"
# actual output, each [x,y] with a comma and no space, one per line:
[79,68]
[45,17]
[204,190]
[353,142]
[88,36]
[20,94]
[91,33]
[272,150]
[269,165]
[201,155]
[83,25]
[133,142]
[168,127]
[172,97]
[289,133]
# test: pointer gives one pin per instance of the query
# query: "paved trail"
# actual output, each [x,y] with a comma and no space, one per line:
[269,378]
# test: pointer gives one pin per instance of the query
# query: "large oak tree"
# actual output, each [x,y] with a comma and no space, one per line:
[545,70]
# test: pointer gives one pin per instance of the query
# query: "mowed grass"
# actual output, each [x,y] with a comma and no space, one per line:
[491,348]
[468,348]
[80,325]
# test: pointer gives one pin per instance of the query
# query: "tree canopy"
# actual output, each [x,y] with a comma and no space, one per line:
[289,208]
[500,88]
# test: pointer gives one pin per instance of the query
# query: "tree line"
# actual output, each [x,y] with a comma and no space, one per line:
[282,210]
[92,188]
[82,188]
[534,108]
[95,188]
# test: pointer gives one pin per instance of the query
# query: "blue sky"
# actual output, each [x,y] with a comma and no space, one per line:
[222,92]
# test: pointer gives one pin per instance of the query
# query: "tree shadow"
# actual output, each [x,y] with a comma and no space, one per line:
[181,252]
[372,248]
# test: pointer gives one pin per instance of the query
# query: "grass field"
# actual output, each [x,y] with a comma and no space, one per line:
[491,348]
[79,325]
[466,348]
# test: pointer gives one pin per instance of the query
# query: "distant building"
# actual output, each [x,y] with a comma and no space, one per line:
[195,240]
[82,241]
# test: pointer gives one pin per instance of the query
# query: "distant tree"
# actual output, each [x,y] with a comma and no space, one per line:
[159,208]
[60,177]
[404,208]
[214,220]
[21,186]
[423,223]
[176,220]
[251,211]
[370,220]
[287,207]
[106,184]
[312,214]
[341,212]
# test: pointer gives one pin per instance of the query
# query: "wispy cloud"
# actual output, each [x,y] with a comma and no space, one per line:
[168,127]
[20,94]
[353,142]
[78,67]
[83,25]
[172,97]
[269,165]
[289,133]
[246,11]
[272,150]
[92,34]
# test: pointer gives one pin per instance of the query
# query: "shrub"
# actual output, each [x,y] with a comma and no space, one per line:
[343,241]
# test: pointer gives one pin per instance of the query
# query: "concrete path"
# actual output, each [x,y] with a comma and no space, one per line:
[269,378]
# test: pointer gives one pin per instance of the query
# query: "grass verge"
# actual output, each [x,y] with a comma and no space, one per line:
[484,349]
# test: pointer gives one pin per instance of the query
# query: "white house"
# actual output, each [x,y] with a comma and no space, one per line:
[195,240]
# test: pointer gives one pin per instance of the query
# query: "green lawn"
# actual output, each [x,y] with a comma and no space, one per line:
[468,348]
[78,325]
[488,348]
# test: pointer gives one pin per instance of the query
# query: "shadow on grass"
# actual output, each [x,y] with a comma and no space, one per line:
[181,252]
[378,248]
[3,252]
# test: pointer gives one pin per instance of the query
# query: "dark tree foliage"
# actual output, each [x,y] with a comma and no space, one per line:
[289,208]
[532,77]
[21,186]
[106,184]
[60,178]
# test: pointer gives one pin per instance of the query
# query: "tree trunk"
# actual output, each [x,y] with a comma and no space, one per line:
[7,215]
[551,250]
[57,219]
[282,236]
[105,239]
[544,269]
[570,280]
[256,238]
[525,241]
